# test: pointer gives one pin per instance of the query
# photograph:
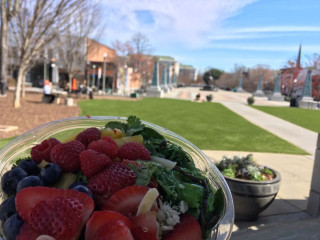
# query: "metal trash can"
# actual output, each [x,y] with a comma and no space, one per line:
[293,102]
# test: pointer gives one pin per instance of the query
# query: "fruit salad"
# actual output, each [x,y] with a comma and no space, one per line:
[121,181]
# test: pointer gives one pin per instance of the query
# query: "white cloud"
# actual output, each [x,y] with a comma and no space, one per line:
[187,22]
[310,48]
[262,32]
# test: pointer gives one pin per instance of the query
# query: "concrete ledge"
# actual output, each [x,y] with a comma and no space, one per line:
[309,104]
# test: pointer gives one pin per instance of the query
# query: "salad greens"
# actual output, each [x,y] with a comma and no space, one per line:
[183,182]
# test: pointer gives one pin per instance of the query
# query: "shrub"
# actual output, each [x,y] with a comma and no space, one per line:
[244,168]
[250,100]
[209,97]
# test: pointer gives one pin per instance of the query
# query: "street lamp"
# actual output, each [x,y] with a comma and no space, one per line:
[104,73]
[94,75]
[88,73]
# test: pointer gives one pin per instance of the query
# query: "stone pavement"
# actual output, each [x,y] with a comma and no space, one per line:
[286,217]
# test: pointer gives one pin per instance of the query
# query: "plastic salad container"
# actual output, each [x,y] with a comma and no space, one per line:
[62,129]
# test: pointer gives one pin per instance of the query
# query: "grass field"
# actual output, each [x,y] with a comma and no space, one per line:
[208,125]
[305,118]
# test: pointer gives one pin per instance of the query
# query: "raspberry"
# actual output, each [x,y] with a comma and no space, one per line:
[133,151]
[42,151]
[67,155]
[106,146]
[91,162]
[115,177]
[89,135]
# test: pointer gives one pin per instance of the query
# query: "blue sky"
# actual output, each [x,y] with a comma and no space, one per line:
[219,33]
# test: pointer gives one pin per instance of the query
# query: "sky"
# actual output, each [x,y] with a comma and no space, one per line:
[219,33]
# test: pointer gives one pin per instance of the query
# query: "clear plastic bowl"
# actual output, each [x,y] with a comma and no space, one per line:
[62,129]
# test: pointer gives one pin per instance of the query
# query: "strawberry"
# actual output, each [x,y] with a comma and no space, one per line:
[89,135]
[101,218]
[115,177]
[133,151]
[55,212]
[57,218]
[140,233]
[127,200]
[106,146]
[114,230]
[67,155]
[42,151]
[188,229]
[148,223]
[27,233]
[91,162]
[126,162]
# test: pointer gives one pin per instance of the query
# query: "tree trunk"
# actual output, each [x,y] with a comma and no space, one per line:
[70,83]
[23,93]
[3,49]
[17,94]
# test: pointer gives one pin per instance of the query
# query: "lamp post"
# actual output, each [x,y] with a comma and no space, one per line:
[94,75]
[104,73]
[88,73]
[53,75]
[45,55]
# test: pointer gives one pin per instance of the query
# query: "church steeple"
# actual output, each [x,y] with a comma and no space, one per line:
[298,65]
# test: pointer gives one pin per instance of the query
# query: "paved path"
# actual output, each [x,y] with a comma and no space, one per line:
[301,137]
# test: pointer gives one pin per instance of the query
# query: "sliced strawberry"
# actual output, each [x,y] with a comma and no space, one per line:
[188,229]
[27,233]
[127,200]
[27,198]
[114,230]
[148,222]
[54,212]
[101,218]
[56,218]
[140,233]
[115,177]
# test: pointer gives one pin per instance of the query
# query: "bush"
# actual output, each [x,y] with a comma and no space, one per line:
[209,97]
[244,168]
[250,100]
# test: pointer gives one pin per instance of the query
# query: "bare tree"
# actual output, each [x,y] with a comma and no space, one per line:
[72,46]
[9,8]
[123,49]
[141,44]
[37,24]
[139,59]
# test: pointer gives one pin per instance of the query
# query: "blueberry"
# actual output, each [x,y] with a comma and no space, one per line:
[10,179]
[76,184]
[11,227]
[83,189]
[30,166]
[51,174]
[7,208]
[30,181]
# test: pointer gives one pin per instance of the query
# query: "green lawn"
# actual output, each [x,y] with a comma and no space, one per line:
[208,125]
[305,118]
[4,141]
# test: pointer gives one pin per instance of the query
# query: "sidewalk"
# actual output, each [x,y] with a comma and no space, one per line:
[301,137]
[289,207]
